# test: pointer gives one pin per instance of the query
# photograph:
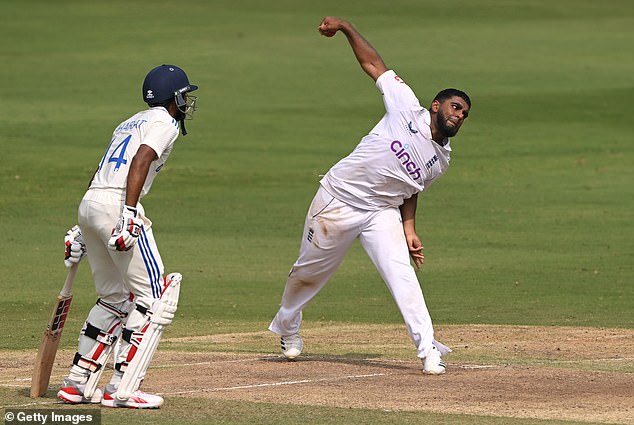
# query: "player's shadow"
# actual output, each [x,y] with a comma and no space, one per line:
[355,359]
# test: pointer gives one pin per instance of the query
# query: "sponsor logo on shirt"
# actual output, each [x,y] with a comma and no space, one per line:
[397,78]
[431,162]
[405,159]
[411,128]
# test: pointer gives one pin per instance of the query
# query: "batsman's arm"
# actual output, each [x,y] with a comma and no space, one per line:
[414,244]
[138,173]
[368,57]
[128,228]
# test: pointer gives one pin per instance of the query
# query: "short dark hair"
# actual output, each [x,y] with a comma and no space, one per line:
[449,93]
[165,104]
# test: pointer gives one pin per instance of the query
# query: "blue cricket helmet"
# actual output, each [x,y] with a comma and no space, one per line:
[164,83]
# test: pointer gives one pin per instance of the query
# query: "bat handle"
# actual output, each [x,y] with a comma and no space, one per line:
[68,283]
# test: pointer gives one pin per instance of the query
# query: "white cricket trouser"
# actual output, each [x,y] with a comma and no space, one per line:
[330,228]
[117,274]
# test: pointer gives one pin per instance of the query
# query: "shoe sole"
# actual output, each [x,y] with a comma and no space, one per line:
[293,353]
[292,356]
[432,372]
[114,404]
[126,406]
[436,372]
[75,399]
[66,399]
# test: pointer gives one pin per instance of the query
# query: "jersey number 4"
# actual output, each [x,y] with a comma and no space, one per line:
[118,153]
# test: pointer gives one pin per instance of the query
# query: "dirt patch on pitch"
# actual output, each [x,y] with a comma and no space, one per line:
[552,373]
[530,372]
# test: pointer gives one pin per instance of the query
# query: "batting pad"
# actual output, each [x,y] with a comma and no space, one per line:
[158,321]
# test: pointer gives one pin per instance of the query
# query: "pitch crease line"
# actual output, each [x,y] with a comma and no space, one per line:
[277,384]
[159,366]
[7,381]
[43,403]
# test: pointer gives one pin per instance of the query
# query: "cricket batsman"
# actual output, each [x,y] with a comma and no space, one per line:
[135,301]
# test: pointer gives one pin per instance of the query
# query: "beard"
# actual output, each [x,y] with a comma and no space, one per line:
[445,130]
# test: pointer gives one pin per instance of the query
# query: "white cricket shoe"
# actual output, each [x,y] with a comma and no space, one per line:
[73,392]
[138,399]
[433,364]
[292,346]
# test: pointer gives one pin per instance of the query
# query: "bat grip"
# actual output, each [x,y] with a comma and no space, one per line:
[68,283]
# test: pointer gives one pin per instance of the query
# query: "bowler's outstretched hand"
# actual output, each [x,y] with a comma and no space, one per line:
[330,25]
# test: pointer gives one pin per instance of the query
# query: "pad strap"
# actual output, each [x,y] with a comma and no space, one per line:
[86,363]
[99,335]
[131,337]
[134,338]
[128,334]
[141,309]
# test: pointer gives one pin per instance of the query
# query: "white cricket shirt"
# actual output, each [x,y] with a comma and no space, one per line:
[154,127]
[396,160]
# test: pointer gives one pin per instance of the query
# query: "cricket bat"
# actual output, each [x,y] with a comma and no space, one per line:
[50,340]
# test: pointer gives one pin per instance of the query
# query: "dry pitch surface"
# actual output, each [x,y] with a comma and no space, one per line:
[582,374]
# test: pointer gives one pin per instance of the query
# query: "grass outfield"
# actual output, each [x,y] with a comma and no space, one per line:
[530,226]
[200,412]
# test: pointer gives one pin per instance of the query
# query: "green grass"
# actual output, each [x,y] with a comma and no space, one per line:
[221,412]
[531,225]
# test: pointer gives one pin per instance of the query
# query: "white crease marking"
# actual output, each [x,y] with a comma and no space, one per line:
[275,384]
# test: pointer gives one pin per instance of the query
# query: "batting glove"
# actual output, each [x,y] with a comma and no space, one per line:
[127,231]
[75,249]
[161,312]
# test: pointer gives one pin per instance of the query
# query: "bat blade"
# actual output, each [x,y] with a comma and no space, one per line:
[50,340]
